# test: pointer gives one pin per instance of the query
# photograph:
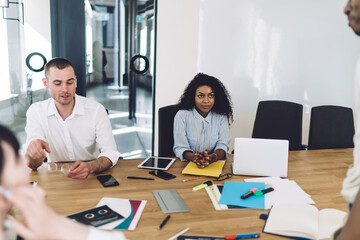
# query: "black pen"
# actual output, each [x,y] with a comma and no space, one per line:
[249,193]
[142,178]
[163,222]
[262,192]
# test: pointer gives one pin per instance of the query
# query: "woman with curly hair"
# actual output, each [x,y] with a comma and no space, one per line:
[201,126]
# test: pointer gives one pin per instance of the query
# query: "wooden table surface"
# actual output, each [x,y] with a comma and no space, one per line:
[319,173]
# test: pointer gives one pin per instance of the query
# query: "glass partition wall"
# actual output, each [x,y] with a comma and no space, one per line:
[25,45]
[120,52]
[119,64]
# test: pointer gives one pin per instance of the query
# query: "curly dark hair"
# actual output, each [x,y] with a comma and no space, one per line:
[222,105]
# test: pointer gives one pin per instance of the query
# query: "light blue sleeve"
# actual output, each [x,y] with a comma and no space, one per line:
[224,135]
[181,143]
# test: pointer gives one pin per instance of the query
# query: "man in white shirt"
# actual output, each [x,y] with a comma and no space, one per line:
[352,181]
[69,127]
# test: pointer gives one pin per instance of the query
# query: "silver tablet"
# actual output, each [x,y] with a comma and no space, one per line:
[161,163]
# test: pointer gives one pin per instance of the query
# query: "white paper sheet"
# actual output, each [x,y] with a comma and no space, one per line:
[286,192]
[124,208]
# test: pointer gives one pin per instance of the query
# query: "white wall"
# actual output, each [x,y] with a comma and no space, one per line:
[187,30]
[37,34]
[300,51]
[176,59]
[177,47]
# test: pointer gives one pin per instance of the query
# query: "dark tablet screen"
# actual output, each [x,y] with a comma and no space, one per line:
[157,162]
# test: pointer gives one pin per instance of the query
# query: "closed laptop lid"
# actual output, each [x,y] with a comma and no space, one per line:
[261,157]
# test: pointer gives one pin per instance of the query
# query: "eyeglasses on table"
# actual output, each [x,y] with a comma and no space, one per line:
[224,177]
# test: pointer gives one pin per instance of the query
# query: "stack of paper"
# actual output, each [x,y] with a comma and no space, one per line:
[131,210]
[286,192]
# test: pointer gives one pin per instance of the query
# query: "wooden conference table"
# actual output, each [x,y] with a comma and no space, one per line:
[319,173]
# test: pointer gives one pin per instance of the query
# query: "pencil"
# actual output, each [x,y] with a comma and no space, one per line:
[179,234]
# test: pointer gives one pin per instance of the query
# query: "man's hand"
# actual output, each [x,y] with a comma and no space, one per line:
[36,152]
[79,170]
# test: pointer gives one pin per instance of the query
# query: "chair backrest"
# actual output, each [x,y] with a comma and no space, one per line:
[166,130]
[331,127]
[279,120]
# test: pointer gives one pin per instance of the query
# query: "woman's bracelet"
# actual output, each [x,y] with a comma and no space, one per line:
[216,156]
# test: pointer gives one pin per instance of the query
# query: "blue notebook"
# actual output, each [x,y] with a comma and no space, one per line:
[232,192]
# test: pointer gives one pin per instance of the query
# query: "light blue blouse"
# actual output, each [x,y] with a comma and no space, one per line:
[193,132]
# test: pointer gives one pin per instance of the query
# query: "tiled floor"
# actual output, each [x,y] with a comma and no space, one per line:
[134,140]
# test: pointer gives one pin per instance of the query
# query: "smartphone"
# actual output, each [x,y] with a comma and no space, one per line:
[162,174]
[107,180]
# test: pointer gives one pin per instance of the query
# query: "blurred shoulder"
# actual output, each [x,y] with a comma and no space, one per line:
[41,105]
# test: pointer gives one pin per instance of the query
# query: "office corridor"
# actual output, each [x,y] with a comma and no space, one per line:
[132,141]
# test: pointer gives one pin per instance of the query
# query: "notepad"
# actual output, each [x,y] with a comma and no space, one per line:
[213,170]
[214,192]
[170,201]
[303,221]
[287,192]
[232,191]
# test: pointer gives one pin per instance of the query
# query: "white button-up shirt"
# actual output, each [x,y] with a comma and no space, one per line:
[85,135]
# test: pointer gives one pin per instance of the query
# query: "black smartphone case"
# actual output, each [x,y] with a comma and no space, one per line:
[108,180]
[163,175]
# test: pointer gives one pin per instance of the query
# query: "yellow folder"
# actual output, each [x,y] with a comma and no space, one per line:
[213,170]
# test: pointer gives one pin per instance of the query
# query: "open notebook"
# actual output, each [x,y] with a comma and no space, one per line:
[303,221]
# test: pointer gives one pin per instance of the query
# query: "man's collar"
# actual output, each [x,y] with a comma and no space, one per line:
[78,108]
[52,108]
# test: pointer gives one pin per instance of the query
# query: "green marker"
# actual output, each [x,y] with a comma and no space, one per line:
[203,185]
[262,192]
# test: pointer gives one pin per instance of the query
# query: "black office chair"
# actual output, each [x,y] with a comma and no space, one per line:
[279,120]
[166,130]
[331,127]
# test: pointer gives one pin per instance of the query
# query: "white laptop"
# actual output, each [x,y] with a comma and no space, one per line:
[261,157]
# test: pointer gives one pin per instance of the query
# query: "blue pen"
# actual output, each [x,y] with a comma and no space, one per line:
[242,236]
